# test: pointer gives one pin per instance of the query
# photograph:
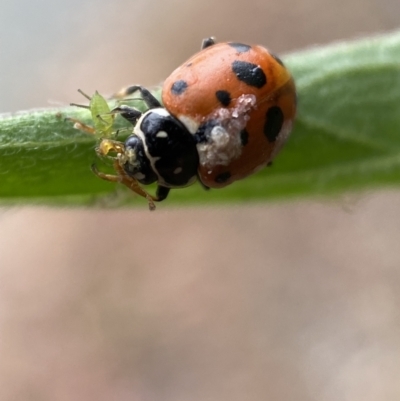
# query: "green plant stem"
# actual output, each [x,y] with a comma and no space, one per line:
[346,138]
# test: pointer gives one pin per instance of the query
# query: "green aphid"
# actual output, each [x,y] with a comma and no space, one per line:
[103,119]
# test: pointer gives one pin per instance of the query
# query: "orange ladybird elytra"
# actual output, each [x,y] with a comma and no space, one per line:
[242,88]
[226,113]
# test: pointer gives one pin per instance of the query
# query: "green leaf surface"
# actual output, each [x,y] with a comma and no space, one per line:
[346,137]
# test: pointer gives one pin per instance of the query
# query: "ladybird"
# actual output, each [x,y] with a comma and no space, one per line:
[225,114]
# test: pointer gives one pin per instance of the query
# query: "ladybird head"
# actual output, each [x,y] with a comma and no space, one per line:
[130,156]
[161,149]
[135,162]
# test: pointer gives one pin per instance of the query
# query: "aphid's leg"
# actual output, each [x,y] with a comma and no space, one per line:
[161,193]
[81,126]
[207,42]
[126,180]
[119,130]
[101,117]
[150,100]
[129,113]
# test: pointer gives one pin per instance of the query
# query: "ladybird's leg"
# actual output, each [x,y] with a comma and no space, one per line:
[207,42]
[203,185]
[161,193]
[81,126]
[129,113]
[125,92]
[150,100]
[126,180]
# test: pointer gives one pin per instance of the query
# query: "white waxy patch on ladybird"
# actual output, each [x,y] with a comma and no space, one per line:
[191,125]
[162,134]
[244,104]
[178,170]
[224,142]
[220,149]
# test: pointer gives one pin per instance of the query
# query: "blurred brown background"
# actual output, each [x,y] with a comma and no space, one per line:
[296,301]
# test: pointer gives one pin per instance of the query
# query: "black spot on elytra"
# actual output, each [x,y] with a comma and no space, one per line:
[240,47]
[244,137]
[223,177]
[273,123]
[178,87]
[223,97]
[276,58]
[249,73]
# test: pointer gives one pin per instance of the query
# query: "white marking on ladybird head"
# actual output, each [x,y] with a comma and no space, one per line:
[191,125]
[178,170]
[161,134]
[139,176]
[160,111]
